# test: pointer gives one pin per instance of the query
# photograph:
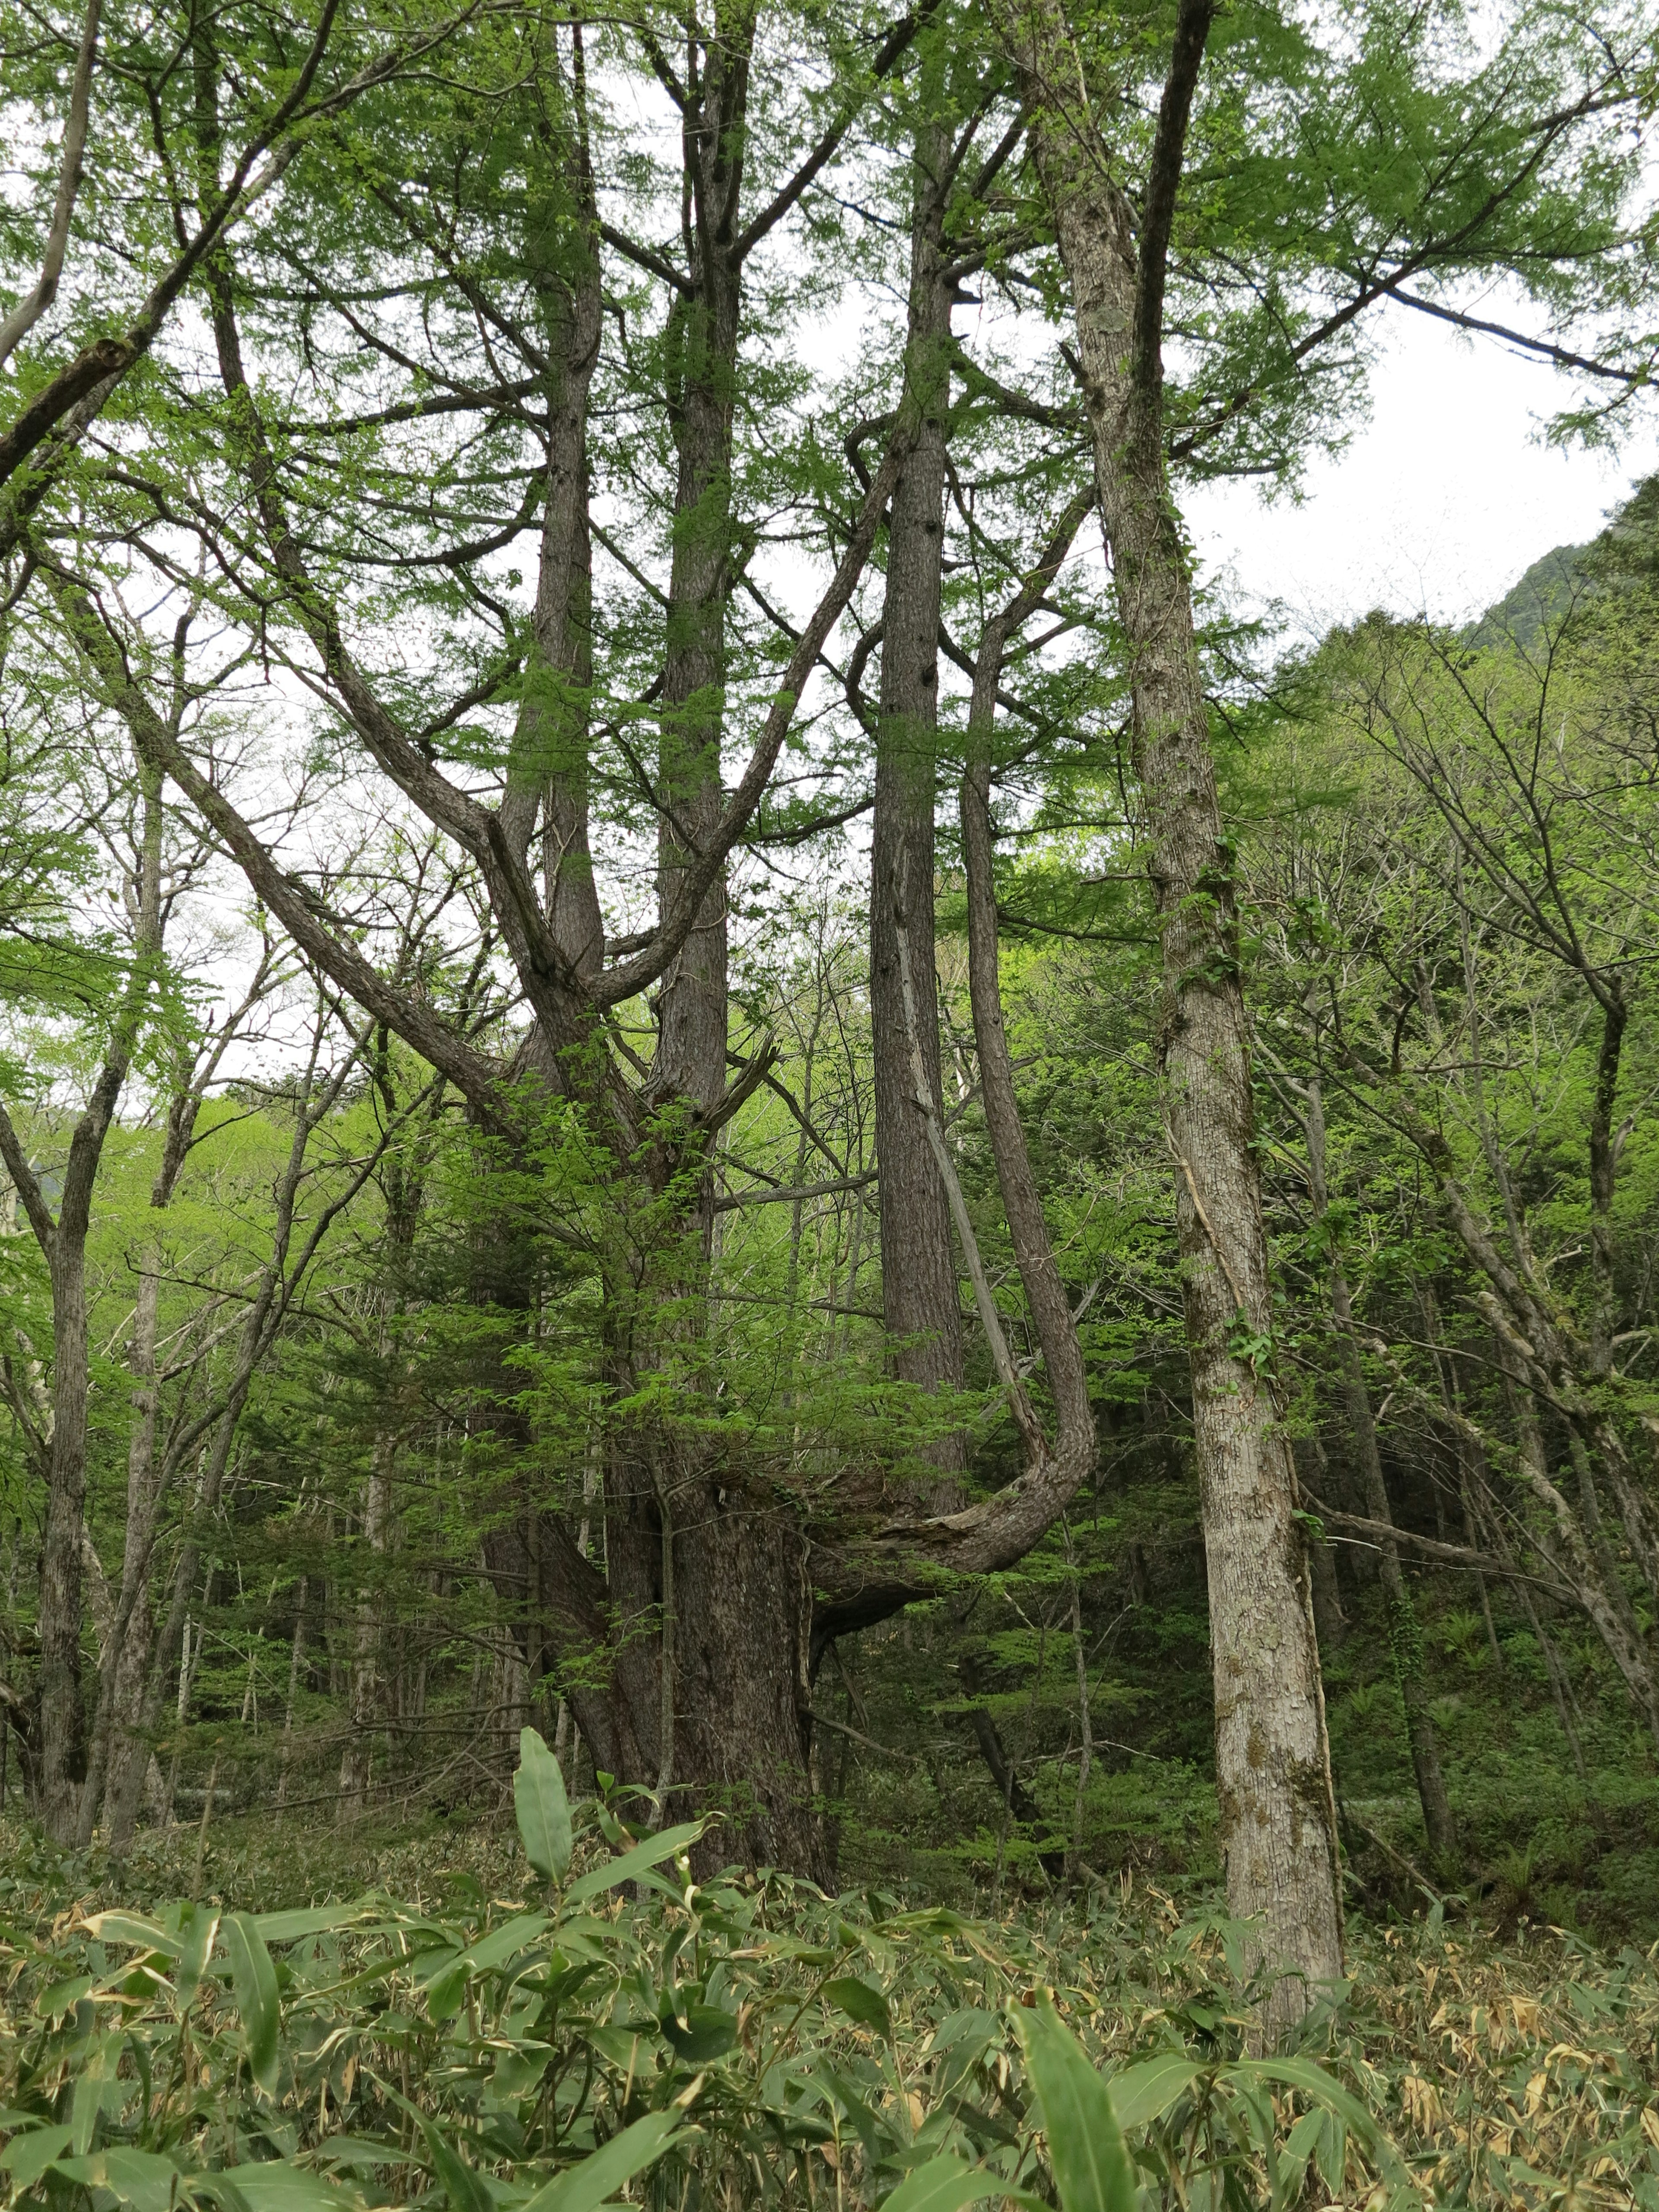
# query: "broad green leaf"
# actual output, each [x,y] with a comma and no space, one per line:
[447,1980]
[1092,2173]
[198,1927]
[62,1997]
[278,2186]
[860,2002]
[1325,2089]
[598,2177]
[1297,2148]
[543,1808]
[27,2155]
[706,2032]
[309,1920]
[945,2184]
[620,2046]
[1145,2093]
[129,1927]
[139,2177]
[650,1853]
[465,2189]
[519,2072]
[93,2077]
[255,1980]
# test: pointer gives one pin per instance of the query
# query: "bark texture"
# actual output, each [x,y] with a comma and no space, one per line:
[61,1772]
[918,1265]
[1278,1815]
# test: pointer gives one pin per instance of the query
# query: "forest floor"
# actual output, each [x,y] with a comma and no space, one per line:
[827,2043]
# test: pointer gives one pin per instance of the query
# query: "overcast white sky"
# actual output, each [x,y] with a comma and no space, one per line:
[1436,507]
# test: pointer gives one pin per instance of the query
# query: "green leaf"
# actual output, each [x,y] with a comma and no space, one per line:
[1297,2148]
[648,1854]
[703,2033]
[1092,2173]
[860,2002]
[139,2177]
[1145,2093]
[309,1920]
[129,1927]
[255,1977]
[601,2176]
[945,2184]
[465,2189]
[1325,2089]
[62,1997]
[543,1808]
[27,2156]
[277,2185]
[447,1979]
[197,1929]
[93,2077]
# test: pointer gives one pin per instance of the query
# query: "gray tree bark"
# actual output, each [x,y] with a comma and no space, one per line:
[62,1763]
[918,1264]
[1277,1807]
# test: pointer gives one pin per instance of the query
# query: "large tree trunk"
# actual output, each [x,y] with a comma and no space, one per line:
[1278,1814]
[1404,1635]
[918,1264]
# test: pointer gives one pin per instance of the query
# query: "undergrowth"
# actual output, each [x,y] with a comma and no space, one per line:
[549,2028]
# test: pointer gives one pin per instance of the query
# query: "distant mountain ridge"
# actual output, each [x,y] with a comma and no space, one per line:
[1542,593]
[1624,557]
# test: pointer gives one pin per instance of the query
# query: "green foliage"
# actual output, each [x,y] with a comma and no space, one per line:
[462,2049]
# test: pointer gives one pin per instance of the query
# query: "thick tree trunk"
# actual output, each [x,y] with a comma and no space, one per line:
[918,1263]
[1278,1813]
[1404,1635]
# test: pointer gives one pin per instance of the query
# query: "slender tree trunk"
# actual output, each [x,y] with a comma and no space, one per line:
[258,1329]
[1277,1807]
[1572,1553]
[126,1656]
[1085,1723]
[61,1725]
[918,1264]
[1329,1619]
[296,1661]
[62,1757]
[365,1690]
[1404,1634]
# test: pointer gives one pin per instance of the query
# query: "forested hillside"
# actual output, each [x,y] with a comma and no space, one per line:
[700,1067]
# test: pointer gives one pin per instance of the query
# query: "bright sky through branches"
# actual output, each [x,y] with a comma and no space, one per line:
[1437,504]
